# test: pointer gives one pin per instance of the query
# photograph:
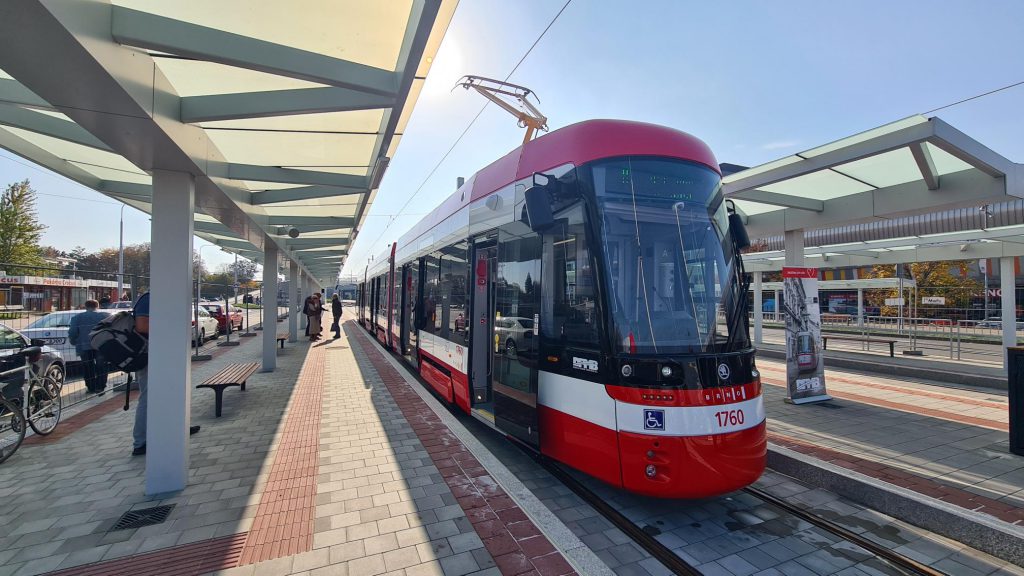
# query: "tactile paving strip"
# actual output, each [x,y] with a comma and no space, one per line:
[283,524]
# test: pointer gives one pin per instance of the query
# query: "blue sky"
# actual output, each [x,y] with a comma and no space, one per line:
[755,80]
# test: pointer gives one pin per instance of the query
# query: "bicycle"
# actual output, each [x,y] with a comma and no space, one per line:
[39,406]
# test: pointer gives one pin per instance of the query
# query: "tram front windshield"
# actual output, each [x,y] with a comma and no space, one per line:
[669,259]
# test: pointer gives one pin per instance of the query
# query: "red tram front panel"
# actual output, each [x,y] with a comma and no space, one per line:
[669,444]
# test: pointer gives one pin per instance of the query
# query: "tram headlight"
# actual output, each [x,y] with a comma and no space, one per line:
[651,471]
[666,371]
[627,370]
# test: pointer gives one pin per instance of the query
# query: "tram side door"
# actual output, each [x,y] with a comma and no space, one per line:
[481,321]
[514,339]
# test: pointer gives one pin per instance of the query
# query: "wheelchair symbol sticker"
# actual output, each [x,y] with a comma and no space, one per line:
[654,419]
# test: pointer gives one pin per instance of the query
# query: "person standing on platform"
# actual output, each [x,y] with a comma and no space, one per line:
[313,312]
[94,368]
[336,312]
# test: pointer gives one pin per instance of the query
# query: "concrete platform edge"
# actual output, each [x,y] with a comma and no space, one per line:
[980,531]
[582,558]
[885,369]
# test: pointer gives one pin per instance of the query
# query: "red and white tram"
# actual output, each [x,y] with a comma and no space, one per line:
[584,295]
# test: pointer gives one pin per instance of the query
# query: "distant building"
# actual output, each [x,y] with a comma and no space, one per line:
[45,294]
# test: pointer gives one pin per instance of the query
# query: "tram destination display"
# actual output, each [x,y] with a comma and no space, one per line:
[805,363]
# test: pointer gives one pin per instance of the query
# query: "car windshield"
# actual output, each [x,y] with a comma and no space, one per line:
[669,258]
[55,320]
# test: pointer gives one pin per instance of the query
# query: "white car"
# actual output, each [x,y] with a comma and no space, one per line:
[512,333]
[53,329]
[207,326]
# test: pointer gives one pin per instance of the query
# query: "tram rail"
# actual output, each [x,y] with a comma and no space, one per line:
[677,565]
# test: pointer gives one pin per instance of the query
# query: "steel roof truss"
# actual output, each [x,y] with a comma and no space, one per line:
[301,193]
[279,103]
[295,176]
[924,163]
[776,199]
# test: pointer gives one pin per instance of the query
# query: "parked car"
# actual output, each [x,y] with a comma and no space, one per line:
[53,330]
[513,331]
[122,305]
[49,363]
[996,322]
[217,311]
[207,326]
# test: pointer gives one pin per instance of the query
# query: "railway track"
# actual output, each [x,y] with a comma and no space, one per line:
[678,565]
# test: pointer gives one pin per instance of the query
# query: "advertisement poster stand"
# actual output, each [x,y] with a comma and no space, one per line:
[805,363]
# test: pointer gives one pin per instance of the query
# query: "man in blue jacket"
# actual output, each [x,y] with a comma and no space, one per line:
[94,367]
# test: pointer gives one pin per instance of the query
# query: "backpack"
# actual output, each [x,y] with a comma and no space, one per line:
[118,343]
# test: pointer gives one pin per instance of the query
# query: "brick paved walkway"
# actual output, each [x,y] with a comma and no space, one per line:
[315,469]
[942,442]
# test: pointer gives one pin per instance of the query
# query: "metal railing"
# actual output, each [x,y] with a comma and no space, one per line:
[957,339]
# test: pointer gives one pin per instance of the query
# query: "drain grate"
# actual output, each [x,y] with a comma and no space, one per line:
[144,517]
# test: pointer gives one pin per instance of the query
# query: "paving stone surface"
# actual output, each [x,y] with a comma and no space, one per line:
[736,534]
[65,495]
[942,442]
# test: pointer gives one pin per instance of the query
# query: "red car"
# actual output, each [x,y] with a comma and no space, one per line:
[217,311]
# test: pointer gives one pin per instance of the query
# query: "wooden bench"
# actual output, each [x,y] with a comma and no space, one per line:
[281,338]
[891,343]
[230,375]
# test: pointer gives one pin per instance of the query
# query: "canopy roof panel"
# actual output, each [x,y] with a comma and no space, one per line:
[369,33]
[912,166]
[287,117]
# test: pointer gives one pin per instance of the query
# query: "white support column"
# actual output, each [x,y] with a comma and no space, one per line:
[169,384]
[794,245]
[294,307]
[758,309]
[1008,284]
[269,306]
[778,306]
[860,307]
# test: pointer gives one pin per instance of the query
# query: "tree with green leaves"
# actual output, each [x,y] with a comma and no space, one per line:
[20,230]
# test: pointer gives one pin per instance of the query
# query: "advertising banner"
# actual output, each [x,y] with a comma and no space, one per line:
[805,363]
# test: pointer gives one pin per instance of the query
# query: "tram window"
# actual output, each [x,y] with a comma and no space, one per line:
[575,313]
[444,291]
[431,295]
[457,269]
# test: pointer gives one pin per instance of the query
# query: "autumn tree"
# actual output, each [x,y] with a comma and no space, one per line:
[20,230]
[946,278]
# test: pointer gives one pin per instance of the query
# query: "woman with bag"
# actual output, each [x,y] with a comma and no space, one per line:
[336,312]
[313,312]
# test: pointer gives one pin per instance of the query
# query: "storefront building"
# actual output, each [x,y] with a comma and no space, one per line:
[45,294]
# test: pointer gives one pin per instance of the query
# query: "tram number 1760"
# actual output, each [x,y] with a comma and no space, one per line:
[729,417]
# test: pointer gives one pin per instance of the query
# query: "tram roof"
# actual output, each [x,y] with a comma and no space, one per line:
[288,118]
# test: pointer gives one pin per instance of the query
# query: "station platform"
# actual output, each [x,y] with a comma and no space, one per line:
[325,466]
[340,463]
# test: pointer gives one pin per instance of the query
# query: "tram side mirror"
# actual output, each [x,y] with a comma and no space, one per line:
[738,231]
[537,212]
[37,342]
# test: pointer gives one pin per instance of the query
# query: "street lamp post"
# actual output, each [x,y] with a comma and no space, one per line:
[120,258]
[195,322]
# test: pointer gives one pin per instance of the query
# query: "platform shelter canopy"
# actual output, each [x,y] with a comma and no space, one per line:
[286,113]
[913,166]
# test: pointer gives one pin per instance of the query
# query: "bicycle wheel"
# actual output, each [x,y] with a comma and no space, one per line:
[12,428]
[44,405]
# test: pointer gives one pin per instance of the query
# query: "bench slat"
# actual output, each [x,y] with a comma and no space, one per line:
[233,373]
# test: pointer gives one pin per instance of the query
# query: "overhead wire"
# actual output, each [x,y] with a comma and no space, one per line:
[975,97]
[468,126]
